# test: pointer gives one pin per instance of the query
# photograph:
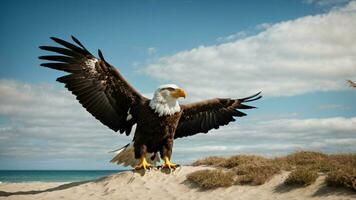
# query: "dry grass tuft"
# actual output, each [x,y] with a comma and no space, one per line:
[239,160]
[209,161]
[312,160]
[210,179]
[255,174]
[301,176]
[343,159]
[344,176]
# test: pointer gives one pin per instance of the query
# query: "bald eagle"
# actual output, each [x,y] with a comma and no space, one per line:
[104,93]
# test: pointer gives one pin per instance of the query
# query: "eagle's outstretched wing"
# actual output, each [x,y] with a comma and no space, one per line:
[351,83]
[98,86]
[203,116]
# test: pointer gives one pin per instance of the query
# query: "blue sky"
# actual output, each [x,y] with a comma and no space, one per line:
[294,51]
[124,30]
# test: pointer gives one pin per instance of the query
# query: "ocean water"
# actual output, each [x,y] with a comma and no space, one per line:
[15,176]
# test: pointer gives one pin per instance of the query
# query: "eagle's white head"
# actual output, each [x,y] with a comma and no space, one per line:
[165,99]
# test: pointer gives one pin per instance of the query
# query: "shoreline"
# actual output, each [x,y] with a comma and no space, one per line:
[24,176]
[35,182]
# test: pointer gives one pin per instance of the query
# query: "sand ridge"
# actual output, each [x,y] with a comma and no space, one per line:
[156,184]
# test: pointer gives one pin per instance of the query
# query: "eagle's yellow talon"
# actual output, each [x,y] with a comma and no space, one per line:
[168,164]
[143,165]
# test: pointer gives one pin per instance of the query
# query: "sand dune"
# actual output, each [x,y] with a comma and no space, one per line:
[156,184]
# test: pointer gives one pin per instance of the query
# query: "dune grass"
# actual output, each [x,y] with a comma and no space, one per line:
[255,174]
[301,176]
[339,169]
[236,161]
[342,177]
[210,179]
[309,159]
[209,161]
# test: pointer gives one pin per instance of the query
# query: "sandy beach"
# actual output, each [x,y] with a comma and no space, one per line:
[156,184]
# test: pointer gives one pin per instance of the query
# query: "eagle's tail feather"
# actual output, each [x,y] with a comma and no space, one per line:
[126,156]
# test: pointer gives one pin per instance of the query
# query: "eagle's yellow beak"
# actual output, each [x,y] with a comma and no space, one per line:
[178,93]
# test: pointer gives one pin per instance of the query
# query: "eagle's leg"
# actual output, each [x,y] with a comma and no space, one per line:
[141,153]
[166,153]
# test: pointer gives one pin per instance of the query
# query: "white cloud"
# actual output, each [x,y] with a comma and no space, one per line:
[263,26]
[233,37]
[326,2]
[151,51]
[243,34]
[333,107]
[312,53]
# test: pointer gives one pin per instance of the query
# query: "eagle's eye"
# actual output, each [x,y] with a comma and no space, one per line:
[168,88]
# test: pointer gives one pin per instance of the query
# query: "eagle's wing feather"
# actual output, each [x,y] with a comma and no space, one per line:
[351,83]
[98,86]
[203,116]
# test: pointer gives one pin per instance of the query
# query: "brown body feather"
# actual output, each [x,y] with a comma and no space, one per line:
[153,133]
[103,92]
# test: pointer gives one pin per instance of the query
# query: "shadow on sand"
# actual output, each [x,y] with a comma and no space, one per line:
[60,187]
[282,188]
[323,190]
[57,188]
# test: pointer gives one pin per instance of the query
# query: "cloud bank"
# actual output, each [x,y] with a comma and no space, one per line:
[274,137]
[312,53]
[326,2]
[44,123]
[45,127]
